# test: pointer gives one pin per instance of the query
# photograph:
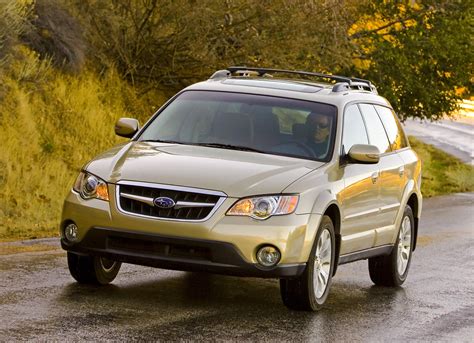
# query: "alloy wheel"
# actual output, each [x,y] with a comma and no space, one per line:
[404,246]
[322,263]
[107,264]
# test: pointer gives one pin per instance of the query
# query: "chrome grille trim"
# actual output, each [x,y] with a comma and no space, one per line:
[179,205]
[146,200]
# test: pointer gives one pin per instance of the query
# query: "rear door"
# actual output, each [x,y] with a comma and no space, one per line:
[391,168]
[399,145]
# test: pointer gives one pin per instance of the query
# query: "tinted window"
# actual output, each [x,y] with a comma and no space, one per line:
[393,128]
[272,125]
[375,129]
[354,129]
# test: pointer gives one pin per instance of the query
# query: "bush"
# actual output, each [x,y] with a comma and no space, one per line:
[13,22]
[54,33]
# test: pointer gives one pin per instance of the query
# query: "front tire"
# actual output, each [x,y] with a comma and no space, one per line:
[392,270]
[309,291]
[92,269]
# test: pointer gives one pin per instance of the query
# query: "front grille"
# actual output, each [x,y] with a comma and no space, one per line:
[146,194]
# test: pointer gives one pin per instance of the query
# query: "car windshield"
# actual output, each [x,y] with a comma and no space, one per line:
[248,122]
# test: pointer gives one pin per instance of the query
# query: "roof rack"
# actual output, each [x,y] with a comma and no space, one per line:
[344,83]
[361,86]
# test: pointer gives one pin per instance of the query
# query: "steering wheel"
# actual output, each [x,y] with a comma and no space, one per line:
[305,147]
[309,152]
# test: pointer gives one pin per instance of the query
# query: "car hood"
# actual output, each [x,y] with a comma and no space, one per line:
[236,173]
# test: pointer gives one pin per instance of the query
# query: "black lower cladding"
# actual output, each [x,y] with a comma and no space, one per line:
[175,253]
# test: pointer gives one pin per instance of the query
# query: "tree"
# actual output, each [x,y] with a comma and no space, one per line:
[177,42]
[418,54]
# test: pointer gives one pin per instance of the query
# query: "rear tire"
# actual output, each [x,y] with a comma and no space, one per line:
[92,269]
[392,270]
[309,291]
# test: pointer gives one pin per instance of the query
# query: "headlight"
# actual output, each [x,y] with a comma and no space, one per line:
[264,207]
[90,186]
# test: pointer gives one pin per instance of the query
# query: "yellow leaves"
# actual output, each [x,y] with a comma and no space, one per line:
[362,64]
[366,23]
[445,74]
[369,27]
[415,5]
[409,23]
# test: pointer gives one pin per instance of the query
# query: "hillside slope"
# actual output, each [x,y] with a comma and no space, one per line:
[51,123]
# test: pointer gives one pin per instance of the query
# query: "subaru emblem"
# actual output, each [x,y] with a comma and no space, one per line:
[164,202]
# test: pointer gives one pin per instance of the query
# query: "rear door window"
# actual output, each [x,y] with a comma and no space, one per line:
[375,129]
[393,128]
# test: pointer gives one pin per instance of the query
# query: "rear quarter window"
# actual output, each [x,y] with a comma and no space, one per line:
[394,130]
[375,129]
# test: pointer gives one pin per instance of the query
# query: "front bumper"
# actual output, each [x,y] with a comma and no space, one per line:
[231,241]
[175,253]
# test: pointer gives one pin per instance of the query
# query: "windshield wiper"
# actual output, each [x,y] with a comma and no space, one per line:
[161,141]
[212,145]
[228,146]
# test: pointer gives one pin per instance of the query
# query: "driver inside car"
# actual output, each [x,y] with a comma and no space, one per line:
[318,130]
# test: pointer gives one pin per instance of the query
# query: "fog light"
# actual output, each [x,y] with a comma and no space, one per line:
[70,232]
[268,256]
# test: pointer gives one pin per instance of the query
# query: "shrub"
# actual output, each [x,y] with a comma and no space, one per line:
[54,33]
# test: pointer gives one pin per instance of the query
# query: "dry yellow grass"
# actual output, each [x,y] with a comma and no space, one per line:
[50,125]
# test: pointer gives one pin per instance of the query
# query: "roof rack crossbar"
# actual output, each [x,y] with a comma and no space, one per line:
[342,82]
[263,71]
[356,79]
[362,86]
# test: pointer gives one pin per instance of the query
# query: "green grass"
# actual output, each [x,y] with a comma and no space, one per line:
[442,173]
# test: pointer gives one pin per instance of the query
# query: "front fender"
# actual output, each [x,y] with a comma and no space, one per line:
[322,203]
[325,199]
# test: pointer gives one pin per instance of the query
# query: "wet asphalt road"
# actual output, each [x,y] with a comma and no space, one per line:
[40,301]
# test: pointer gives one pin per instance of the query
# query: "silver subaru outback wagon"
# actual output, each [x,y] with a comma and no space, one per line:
[252,175]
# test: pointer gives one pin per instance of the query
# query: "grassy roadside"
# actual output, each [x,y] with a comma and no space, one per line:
[442,172]
[51,123]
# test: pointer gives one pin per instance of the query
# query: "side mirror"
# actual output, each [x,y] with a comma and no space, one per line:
[126,127]
[364,153]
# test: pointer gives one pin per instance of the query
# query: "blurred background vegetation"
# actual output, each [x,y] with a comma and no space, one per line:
[70,68]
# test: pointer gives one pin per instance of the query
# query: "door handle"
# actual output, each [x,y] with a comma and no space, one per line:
[401,171]
[375,177]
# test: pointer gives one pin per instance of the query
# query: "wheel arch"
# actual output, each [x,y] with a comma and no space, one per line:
[333,212]
[414,203]
[413,198]
[326,204]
